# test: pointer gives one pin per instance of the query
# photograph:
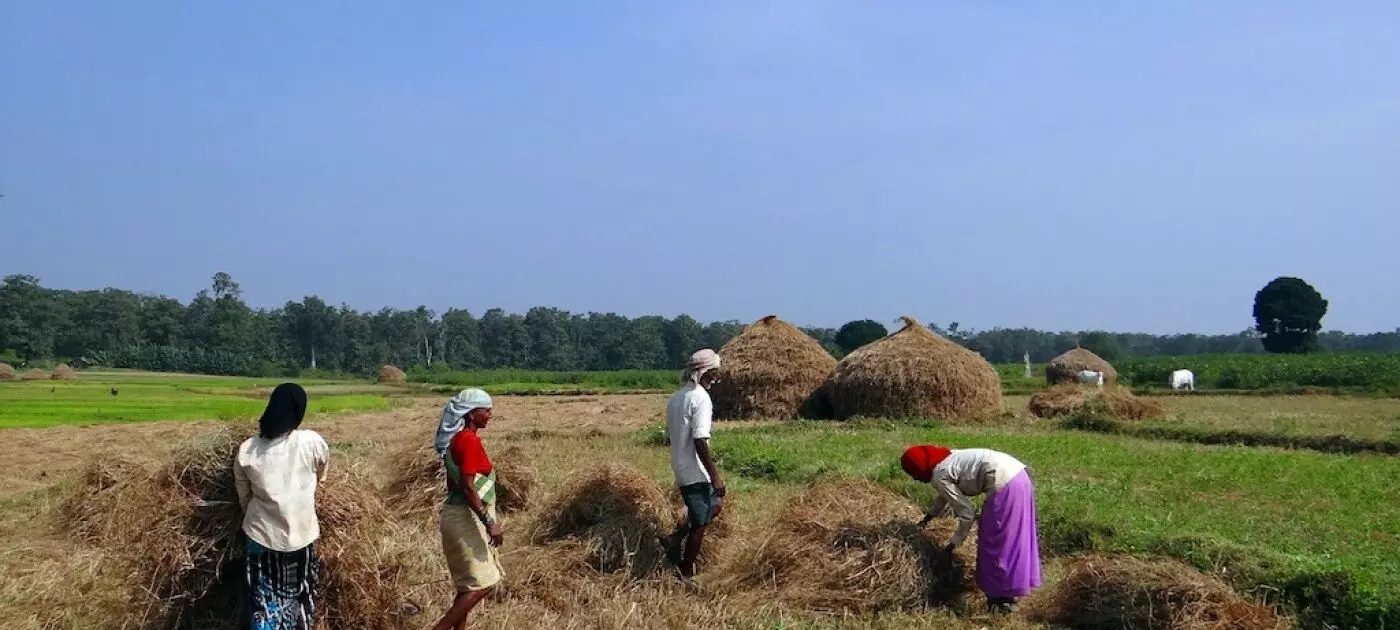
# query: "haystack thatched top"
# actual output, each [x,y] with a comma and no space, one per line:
[1066,367]
[770,370]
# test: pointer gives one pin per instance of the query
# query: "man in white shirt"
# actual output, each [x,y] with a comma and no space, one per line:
[689,414]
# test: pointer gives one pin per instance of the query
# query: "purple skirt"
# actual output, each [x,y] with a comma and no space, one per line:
[1008,549]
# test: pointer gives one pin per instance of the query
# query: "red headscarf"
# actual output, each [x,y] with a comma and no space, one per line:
[920,460]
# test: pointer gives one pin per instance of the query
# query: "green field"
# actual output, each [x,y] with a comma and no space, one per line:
[527,382]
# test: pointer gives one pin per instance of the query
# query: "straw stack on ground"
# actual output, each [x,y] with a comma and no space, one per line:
[63,373]
[419,483]
[34,374]
[851,546]
[391,374]
[1113,592]
[7,372]
[173,532]
[772,370]
[915,373]
[1066,367]
[1072,400]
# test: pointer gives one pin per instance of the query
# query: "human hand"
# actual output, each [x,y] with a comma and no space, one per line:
[494,531]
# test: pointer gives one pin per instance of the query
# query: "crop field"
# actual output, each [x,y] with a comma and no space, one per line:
[1316,532]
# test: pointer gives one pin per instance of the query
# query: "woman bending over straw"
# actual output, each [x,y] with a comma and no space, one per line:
[276,474]
[470,532]
[1008,548]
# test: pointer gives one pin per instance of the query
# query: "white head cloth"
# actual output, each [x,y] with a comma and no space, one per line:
[454,414]
[701,362]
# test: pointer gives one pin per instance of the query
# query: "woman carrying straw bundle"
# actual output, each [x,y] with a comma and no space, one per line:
[470,532]
[1008,548]
[276,474]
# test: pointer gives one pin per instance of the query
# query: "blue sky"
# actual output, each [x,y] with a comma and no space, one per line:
[1065,165]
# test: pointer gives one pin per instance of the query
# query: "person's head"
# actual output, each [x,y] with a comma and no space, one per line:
[919,461]
[478,418]
[285,409]
[469,408]
[702,368]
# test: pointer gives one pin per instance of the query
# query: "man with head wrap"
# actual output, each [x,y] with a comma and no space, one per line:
[688,417]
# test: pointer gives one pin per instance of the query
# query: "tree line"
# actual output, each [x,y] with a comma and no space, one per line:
[218,332]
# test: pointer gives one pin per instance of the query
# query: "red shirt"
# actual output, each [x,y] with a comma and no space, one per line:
[468,455]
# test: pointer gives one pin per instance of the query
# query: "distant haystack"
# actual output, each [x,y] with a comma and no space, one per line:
[35,374]
[391,374]
[915,373]
[63,373]
[772,370]
[7,372]
[1114,404]
[1066,367]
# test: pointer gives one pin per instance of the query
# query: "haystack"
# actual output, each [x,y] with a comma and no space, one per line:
[1066,367]
[63,373]
[34,374]
[1073,399]
[7,372]
[915,373]
[852,546]
[420,482]
[391,374]
[1112,592]
[173,531]
[772,370]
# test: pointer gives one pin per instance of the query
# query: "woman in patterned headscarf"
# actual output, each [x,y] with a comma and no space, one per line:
[470,532]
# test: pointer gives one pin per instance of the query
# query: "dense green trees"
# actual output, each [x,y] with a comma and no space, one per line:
[1288,314]
[217,332]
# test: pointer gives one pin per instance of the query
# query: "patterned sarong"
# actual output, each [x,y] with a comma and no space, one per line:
[281,586]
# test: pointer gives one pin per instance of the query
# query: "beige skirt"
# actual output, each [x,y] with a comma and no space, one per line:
[472,561]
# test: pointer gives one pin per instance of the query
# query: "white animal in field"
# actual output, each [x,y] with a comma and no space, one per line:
[1183,379]
[1091,377]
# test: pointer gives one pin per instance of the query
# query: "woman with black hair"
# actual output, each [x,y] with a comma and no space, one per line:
[276,474]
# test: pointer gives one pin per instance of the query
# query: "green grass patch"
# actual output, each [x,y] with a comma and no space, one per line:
[526,382]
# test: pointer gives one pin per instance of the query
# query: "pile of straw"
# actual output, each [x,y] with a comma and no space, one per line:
[7,372]
[391,374]
[35,374]
[1114,404]
[419,483]
[1066,367]
[854,547]
[63,373]
[772,370]
[915,373]
[173,532]
[1113,592]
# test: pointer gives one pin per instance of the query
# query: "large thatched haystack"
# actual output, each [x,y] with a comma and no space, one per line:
[34,374]
[63,373]
[7,372]
[391,374]
[1066,367]
[915,373]
[772,370]
[1073,399]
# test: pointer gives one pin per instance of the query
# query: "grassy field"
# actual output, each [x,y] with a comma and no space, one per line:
[535,382]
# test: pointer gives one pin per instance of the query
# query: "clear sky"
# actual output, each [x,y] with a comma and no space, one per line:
[1132,166]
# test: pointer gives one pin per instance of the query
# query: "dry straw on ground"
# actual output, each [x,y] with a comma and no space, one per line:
[7,372]
[391,374]
[1113,592]
[1115,404]
[173,531]
[35,374]
[851,546]
[772,370]
[1066,367]
[419,481]
[63,373]
[915,373]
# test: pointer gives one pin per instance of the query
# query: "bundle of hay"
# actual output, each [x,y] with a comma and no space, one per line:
[616,520]
[7,372]
[915,373]
[35,374]
[420,482]
[391,374]
[1074,400]
[855,547]
[1066,367]
[772,370]
[63,373]
[1108,593]
[174,532]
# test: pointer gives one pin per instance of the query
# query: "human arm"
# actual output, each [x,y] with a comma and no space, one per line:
[702,417]
[962,507]
[241,485]
[469,458]
[323,459]
[939,504]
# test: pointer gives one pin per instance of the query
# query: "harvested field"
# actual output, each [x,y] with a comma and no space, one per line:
[1111,403]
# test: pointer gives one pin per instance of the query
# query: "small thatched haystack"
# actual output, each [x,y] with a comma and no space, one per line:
[915,373]
[1112,592]
[1066,367]
[34,374]
[391,374]
[854,547]
[772,370]
[63,373]
[1114,404]
[420,482]
[7,372]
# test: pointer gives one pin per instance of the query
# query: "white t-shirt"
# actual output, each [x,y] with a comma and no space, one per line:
[688,416]
[276,482]
[966,473]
